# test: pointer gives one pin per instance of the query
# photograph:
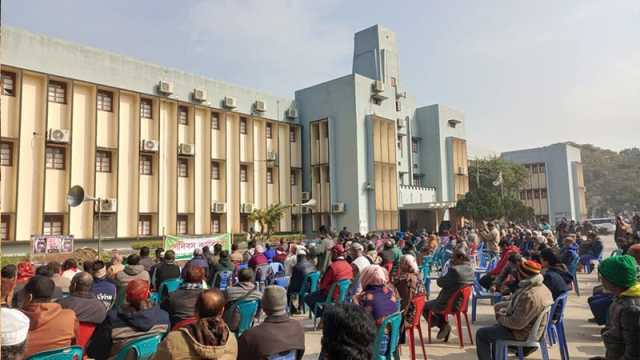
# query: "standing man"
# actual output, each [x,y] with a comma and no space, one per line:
[491,237]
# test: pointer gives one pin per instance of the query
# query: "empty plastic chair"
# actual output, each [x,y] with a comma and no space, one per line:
[143,347]
[68,353]
[388,342]
[85,331]
[342,286]
[418,304]
[502,346]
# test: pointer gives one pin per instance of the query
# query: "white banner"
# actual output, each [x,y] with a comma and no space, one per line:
[184,245]
[51,244]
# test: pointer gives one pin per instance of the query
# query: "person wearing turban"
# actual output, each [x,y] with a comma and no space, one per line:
[619,277]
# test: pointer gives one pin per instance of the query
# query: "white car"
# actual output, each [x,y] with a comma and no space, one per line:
[604,225]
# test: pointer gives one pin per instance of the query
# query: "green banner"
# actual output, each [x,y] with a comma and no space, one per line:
[184,245]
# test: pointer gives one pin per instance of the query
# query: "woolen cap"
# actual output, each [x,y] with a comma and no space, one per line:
[621,271]
[530,267]
[14,326]
[274,300]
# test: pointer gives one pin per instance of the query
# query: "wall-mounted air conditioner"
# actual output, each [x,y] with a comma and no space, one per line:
[259,106]
[199,95]
[149,145]
[272,156]
[377,86]
[107,205]
[230,102]
[165,87]
[401,123]
[219,207]
[186,149]
[246,208]
[337,208]
[292,113]
[62,136]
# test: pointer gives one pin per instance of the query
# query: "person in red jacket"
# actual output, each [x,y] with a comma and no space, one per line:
[339,269]
[506,249]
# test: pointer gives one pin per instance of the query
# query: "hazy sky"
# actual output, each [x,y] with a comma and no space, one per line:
[526,73]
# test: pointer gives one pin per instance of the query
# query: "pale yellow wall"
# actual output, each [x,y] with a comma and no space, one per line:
[167,168]
[127,157]
[233,171]
[9,112]
[107,126]
[202,171]
[258,191]
[295,149]
[55,190]
[31,164]
[385,173]
[284,173]
[83,157]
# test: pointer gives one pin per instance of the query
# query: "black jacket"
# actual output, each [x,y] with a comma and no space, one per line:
[166,271]
[181,304]
[557,281]
[300,270]
[86,306]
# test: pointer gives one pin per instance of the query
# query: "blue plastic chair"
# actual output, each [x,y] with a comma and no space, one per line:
[222,279]
[285,355]
[479,294]
[170,285]
[555,326]
[263,274]
[144,347]
[309,286]
[276,267]
[343,287]
[247,310]
[243,266]
[573,269]
[386,345]
[68,353]
[587,260]
[502,346]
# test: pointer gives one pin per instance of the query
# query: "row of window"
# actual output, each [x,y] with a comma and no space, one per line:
[536,168]
[531,194]
[57,93]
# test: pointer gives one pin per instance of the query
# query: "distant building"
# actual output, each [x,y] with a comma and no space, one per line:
[176,153]
[555,185]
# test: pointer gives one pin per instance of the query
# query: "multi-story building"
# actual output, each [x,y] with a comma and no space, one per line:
[555,184]
[372,159]
[175,153]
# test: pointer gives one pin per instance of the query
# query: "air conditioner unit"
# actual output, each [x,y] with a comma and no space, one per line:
[165,87]
[246,208]
[272,156]
[199,95]
[149,145]
[337,208]
[107,205]
[378,86]
[415,165]
[259,106]
[59,135]
[219,207]
[292,113]
[230,102]
[306,196]
[401,94]
[186,149]
[400,123]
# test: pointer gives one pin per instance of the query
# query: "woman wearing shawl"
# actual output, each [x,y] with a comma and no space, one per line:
[378,296]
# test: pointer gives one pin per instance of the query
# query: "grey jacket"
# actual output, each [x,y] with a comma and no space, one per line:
[621,336]
[457,277]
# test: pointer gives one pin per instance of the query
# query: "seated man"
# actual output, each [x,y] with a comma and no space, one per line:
[460,274]
[619,276]
[166,270]
[223,264]
[103,287]
[348,333]
[507,248]
[9,277]
[133,271]
[198,260]
[245,289]
[19,296]
[300,271]
[14,326]
[258,258]
[82,301]
[139,317]
[339,269]
[207,338]
[56,270]
[181,303]
[51,326]
[276,334]
[556,276]
[569,252]
[516,316]
[591,249]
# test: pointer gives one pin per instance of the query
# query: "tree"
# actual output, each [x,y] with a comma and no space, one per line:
[268,218]
[494,187]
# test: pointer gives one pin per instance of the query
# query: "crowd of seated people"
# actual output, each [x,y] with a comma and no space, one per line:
[200,318]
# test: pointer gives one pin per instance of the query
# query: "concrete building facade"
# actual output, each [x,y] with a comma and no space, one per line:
[176,153]
[555,184]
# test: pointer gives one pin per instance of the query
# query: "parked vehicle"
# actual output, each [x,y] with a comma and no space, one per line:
[604,225]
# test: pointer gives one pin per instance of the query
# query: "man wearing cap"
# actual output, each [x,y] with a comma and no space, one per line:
[298,274]
[619,276]
[14,327]
[339,269]
[138,317]
[516,316]
[51,326]
[277,334]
